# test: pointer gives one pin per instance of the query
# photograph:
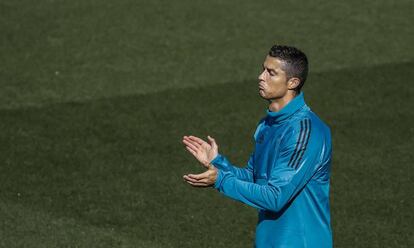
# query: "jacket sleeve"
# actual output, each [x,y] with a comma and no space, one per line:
[300,155]
[244,174]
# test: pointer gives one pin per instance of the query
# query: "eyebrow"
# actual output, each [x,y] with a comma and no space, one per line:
[270,69]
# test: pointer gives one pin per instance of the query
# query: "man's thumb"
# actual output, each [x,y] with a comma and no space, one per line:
[212,141]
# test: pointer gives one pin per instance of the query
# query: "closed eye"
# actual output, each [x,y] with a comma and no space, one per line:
[272,72]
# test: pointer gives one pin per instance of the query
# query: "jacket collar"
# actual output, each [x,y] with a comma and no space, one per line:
[287,111]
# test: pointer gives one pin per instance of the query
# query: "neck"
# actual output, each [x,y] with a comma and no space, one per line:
[277,104]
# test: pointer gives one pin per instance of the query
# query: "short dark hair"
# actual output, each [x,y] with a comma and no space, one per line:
[294,60]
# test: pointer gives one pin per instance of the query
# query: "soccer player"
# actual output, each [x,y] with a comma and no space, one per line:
[287,175]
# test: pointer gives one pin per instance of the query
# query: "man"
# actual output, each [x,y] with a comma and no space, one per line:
[287,176]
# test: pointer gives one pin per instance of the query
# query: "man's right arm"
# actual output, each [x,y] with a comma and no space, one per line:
[245,174]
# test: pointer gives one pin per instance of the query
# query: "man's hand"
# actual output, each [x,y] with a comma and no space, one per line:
[201,150]
[205,179]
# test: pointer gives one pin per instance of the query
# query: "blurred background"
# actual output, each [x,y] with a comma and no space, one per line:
[95,97]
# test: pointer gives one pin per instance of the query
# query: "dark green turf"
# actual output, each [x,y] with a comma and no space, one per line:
[56,50]
[81,172]
[107,173]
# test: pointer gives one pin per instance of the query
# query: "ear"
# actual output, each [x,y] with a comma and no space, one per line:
[293,83]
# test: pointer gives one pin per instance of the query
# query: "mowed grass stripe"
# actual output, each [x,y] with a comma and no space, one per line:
[47,103]
[24,227]
[58,51]
[117,163]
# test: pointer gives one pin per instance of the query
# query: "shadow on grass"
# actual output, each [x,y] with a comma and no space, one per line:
[116,164]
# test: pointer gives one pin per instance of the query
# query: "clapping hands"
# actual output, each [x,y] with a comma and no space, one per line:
[204,152]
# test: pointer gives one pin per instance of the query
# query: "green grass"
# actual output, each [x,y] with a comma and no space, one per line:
[108,172]
[55,50]
[95,97]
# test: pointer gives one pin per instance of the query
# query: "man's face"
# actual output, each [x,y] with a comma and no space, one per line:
[273,82]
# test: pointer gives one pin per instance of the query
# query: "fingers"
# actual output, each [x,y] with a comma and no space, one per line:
[191,151]
[198,184]
[212,141]
[192,145]
[199,176]
[187,140]
[197,140]
[195,182]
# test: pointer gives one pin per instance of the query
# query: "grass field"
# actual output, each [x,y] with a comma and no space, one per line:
[96,95]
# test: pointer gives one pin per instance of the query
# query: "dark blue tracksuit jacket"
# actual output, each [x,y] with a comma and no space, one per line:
[286,178]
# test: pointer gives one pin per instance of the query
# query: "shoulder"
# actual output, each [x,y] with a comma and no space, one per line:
[306,127]
[307,120]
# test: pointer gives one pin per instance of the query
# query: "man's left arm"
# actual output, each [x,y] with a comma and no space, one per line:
[301,155]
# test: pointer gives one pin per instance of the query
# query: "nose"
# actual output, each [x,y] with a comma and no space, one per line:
[261,76]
